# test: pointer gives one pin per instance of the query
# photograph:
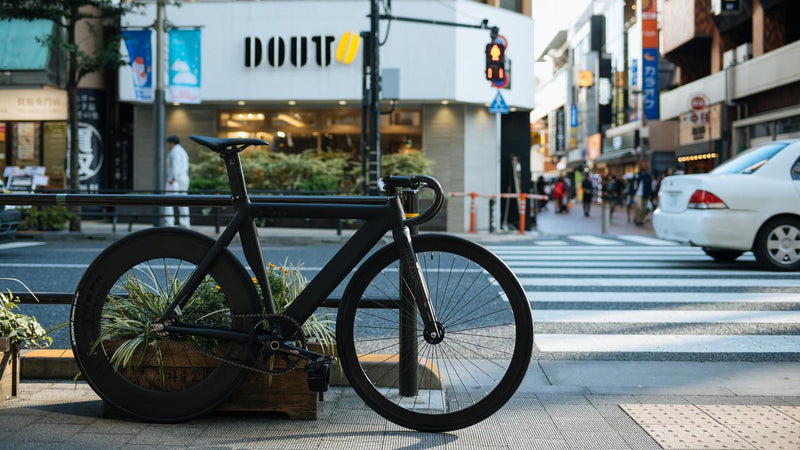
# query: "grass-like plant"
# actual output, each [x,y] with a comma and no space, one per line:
[141,296]
[21,329]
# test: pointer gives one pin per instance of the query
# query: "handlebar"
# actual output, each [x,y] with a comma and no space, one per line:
[415,182]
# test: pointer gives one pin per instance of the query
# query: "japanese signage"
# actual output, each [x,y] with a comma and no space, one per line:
[33,104]
[184,66]
[141,58]
[91,118]
[650,60]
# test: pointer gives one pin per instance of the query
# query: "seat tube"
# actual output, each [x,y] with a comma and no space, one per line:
[407,365]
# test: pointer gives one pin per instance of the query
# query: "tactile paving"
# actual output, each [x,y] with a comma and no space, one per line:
[719,426]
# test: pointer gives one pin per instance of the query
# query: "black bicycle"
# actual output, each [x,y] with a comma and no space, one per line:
[433,332]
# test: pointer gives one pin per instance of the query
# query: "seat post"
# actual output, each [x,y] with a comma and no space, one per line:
[233,166]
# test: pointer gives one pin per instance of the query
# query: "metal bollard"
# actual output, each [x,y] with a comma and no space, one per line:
[408,365]
[492,201]
[606,216]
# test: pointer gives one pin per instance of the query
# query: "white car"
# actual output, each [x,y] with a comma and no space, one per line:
[751,202]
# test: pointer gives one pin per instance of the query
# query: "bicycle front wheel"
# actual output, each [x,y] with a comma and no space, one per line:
[157,376]
[436,385]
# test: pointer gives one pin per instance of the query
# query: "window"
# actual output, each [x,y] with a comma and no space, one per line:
[749,161]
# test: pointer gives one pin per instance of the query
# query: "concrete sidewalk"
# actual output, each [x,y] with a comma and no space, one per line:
[561,404]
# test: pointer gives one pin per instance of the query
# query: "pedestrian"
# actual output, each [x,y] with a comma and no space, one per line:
[629,192]
[558,194]
[177,182]
[587,187]
[541,189]
[615,191]
[643,193]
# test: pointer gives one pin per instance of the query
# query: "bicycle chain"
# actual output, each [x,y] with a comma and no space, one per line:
[238,364]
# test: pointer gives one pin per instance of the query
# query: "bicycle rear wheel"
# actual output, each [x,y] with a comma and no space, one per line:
[436,386]
[166,378]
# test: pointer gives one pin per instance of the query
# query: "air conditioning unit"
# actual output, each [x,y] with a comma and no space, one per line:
[744,52]
[728,58]
[724,7]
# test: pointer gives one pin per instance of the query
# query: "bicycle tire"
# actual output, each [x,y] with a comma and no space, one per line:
[151,261]
[473,371]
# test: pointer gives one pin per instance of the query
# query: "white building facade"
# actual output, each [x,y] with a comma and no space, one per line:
[270,70]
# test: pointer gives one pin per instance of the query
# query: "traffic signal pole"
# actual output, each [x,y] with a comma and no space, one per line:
[371,89]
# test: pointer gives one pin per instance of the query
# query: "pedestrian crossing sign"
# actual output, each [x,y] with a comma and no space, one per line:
[498,105]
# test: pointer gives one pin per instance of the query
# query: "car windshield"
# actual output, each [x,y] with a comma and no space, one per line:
[749,161]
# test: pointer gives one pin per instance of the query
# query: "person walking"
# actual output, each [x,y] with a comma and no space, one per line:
[558,195]
[177,175]
[587,188]
[643,192]
[541,189]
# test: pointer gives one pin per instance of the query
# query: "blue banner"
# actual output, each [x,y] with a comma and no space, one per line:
[141,59]
[184,66]
[650,83]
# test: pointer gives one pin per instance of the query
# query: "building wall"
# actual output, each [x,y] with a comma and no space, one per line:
[182,122]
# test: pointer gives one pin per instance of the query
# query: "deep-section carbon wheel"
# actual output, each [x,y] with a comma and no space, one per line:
[173,377]
[470,368]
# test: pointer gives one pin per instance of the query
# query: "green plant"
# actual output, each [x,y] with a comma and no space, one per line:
[408,162]
[23,330]
[129,313]
[49,218]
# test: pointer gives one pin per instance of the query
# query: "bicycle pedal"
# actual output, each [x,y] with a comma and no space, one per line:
[319,373]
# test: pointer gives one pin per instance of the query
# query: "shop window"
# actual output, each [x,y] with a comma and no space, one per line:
[338,129]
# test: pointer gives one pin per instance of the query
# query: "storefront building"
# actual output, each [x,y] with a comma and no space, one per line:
[33,107]
[290,72]
[746,92]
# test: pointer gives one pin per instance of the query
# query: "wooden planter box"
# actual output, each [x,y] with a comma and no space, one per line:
[9,369]
[288,393]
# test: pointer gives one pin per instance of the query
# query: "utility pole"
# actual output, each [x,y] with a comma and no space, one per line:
[158,105]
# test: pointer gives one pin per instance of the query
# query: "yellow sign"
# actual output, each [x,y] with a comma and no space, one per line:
[585,78]
[348,47]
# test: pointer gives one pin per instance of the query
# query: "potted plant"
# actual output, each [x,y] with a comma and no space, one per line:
[16,331]
[134,349]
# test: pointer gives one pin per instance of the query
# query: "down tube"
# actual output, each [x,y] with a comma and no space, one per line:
[335,271]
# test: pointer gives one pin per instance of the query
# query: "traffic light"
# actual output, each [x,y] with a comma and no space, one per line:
[495,62]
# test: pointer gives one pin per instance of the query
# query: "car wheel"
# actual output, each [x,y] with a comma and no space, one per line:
[778,244]
[721,254]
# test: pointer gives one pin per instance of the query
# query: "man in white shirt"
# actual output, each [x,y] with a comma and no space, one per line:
[177,181]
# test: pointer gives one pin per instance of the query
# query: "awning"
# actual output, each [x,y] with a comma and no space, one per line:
[20,46]
[624,155]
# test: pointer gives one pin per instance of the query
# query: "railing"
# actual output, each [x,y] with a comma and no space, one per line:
[119,200]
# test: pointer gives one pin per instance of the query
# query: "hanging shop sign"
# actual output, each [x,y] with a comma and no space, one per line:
[141,62]
[184,66]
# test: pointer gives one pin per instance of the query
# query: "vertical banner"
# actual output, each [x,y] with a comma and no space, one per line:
[184,66]
[91,123]
[650,60]
[141,58]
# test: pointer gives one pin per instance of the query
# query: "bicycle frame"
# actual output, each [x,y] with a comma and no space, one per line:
[380,215]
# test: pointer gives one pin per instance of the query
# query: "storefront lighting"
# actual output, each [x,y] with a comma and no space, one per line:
[250,116]
[281,134]
[176,104]
[292,102]
[342,102]
[242,134]
[241,116]
[445,102]
[241,103]
[261,117]
[512,109]
[697,157]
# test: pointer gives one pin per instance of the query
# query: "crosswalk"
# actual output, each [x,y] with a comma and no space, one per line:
[637,297]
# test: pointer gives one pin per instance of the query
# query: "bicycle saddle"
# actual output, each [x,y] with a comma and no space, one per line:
[220,144]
